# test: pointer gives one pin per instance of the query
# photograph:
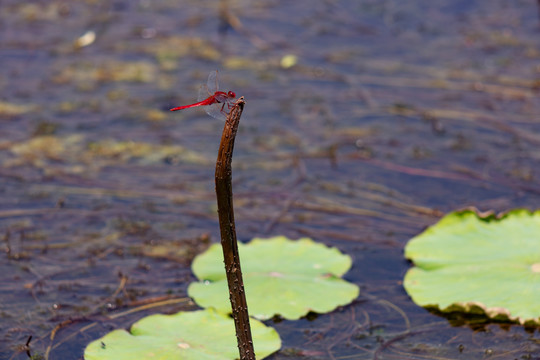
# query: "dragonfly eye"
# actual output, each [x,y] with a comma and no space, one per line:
[231,94]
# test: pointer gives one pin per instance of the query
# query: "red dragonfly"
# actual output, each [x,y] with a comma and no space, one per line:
[216,103]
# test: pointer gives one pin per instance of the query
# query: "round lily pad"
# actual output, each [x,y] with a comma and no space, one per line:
[480,264]
[281,277]
[196,335]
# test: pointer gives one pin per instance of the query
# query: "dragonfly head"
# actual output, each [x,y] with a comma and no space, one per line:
[231,94]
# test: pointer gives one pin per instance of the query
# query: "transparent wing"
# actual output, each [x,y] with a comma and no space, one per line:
[217,111]
[212,82]
[204,93]
[210,88]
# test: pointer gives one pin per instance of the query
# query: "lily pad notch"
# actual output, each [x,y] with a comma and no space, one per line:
[283,277]
[479,263]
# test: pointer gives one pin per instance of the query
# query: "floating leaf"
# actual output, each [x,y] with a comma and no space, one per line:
[479,264]
[73,154]
[9,109]
[288,61]
[146,153]
[41,151]
[84,40]
[281,276]
[106,72]
[195,335]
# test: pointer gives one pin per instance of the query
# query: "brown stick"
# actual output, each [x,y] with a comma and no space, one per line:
[229,244]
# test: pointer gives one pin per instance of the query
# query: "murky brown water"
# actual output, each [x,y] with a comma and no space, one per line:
[394,113]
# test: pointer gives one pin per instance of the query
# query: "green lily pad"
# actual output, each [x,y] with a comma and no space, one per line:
[281,276]
[195,335]
[480,264]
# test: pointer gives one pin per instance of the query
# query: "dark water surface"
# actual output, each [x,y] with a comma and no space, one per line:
[395,112]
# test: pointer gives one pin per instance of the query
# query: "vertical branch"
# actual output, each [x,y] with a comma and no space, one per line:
[229,244]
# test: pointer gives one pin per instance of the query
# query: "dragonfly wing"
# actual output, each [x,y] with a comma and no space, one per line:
[204,93]
[210,88]
[212,82]
[217,111]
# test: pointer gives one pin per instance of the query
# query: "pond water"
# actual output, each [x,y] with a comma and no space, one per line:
[365,122]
